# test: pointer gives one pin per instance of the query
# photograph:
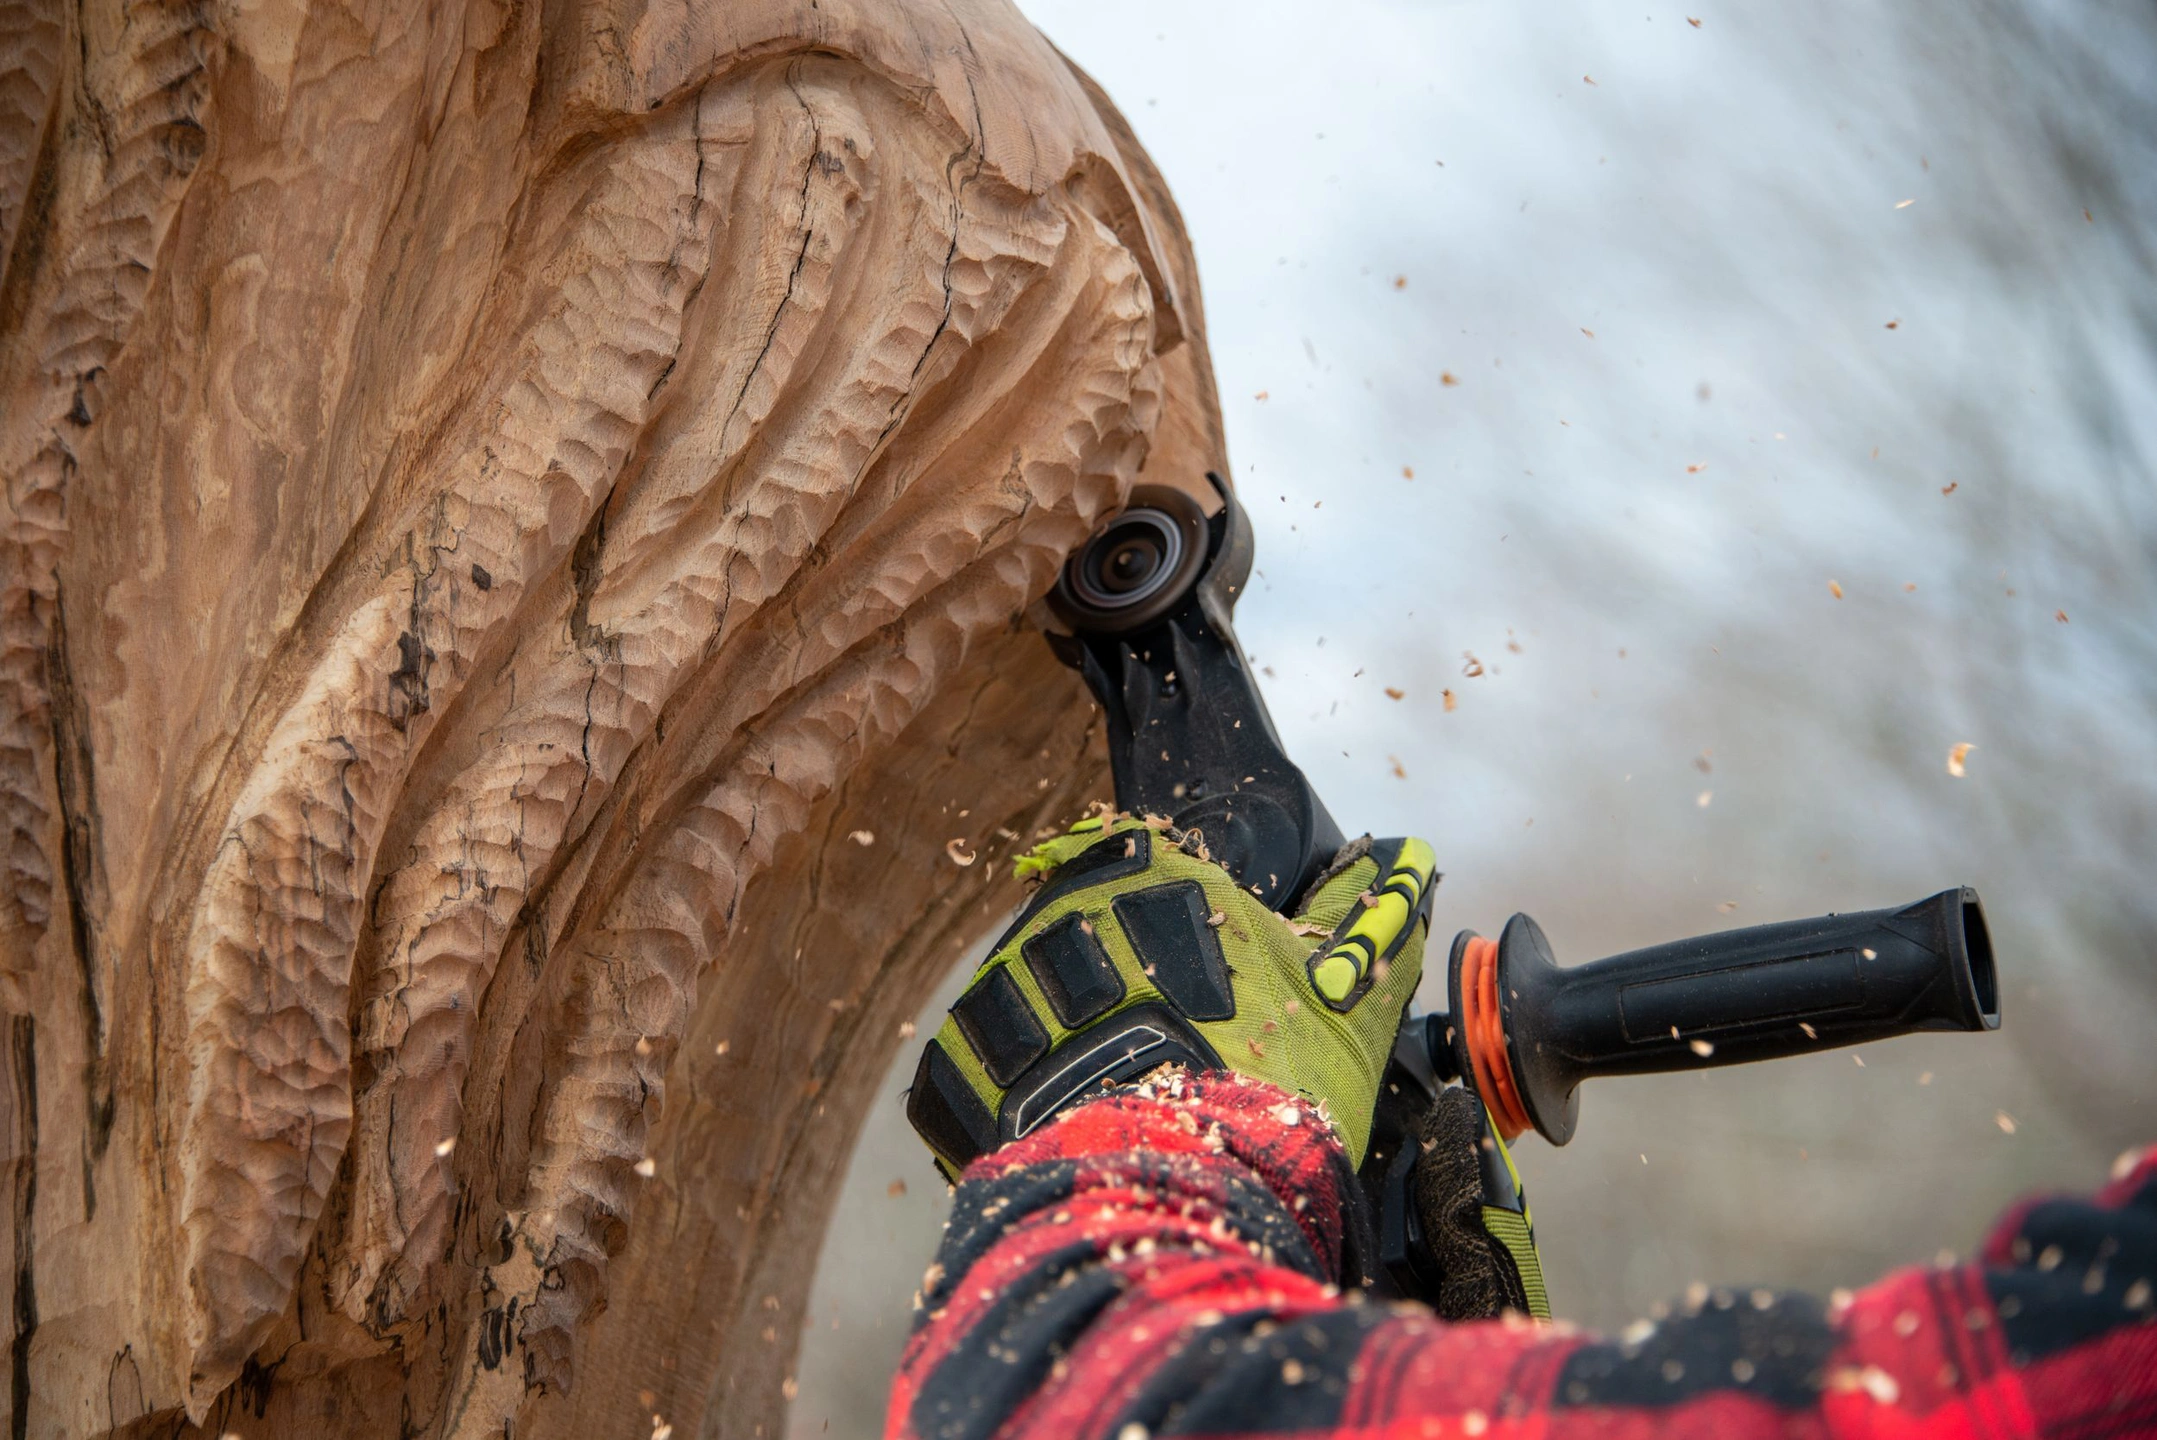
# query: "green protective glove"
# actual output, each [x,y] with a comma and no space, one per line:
[1139,951]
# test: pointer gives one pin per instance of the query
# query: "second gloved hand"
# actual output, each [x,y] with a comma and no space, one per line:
[1474,1215]
[1138,952]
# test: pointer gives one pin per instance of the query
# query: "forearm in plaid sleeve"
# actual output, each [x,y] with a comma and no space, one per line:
[1166,1261]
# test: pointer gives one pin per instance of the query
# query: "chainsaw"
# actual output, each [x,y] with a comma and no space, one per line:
[1148,601]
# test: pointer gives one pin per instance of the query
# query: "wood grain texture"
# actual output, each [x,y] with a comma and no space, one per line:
[495,496]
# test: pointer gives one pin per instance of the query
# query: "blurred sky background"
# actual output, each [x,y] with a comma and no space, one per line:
[1642,307]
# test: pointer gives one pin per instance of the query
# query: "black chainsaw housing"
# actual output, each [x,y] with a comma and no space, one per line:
[1188,733]
[1148,602]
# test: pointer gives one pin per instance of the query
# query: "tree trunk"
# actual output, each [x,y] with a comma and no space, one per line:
[520,527]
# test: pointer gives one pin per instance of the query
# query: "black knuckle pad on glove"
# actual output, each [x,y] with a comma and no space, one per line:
[1179,951]
[996,1020]
[944,1109]
[1073,971]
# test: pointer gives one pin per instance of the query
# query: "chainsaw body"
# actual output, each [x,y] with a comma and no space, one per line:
[1148,601]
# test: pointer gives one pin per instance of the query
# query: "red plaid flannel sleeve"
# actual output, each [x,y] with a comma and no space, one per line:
[1166,1261]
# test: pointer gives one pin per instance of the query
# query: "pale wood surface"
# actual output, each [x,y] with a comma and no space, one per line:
[495,496]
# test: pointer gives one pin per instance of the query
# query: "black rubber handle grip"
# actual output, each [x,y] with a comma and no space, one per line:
[1743,995]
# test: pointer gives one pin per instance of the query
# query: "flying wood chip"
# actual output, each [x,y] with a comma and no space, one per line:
[1956,756]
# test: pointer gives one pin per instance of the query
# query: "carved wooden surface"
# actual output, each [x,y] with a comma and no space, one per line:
[495,498]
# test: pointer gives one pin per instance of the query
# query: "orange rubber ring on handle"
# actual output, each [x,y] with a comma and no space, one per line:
[1483,1024]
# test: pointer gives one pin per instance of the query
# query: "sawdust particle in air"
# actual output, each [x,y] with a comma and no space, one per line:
[1395,693]
[1957,758]
[1452,701]
[960,855]
[1447,377]
[1834,588]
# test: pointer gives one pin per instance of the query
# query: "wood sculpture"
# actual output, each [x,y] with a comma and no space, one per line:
[496,497]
